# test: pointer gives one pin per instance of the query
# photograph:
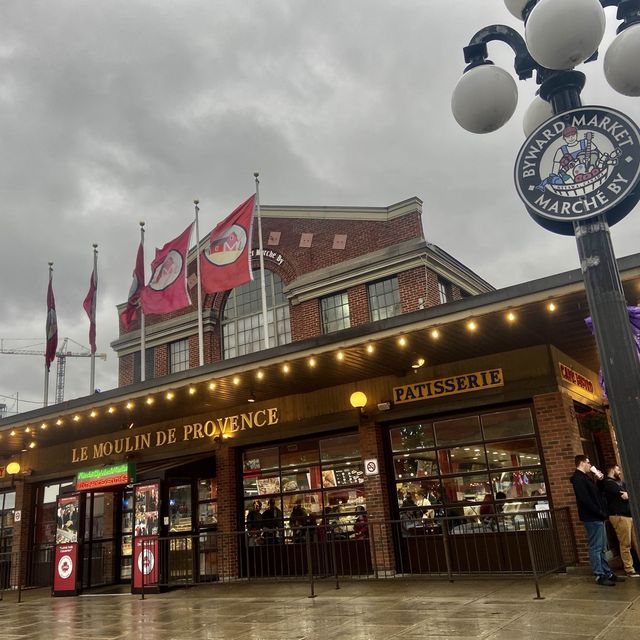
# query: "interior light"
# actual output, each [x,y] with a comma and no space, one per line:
[212,386]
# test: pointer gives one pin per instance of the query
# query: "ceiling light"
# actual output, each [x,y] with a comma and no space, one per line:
[340,355]
[149,401]
[43,426]
[435,334]
[58,421]
[551,306]
[93,414]
[471,325]
[76,418]
[12,432]
[212,386]
[170,395]
[511,317]
[111,409]
[27,430]
[312,362]
[285,368]
[370,348]
[129,405]
[192,390]
[251,398]
[402,341]
[260,375]
[418,363]
[32,444]
[236,380]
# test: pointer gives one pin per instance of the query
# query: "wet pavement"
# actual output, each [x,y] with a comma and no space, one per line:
[574,607]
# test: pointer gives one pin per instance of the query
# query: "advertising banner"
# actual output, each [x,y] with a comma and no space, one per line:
[65,577]
[145,562]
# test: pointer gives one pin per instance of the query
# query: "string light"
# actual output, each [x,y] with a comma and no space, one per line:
[27,430]
[76,418]
[149,400]
[285,368]
[43,426]
[212,386]
[551,307]
[32,444]
[170,395]
[192,390]
[471,325]
[340,355]
[435,334]
[260,375]
[370,348]
[402,341]
[129,405]
[111,410]
[312,362]
[12,432]
[59,421]
[511,317]
[93,414]
[236,380]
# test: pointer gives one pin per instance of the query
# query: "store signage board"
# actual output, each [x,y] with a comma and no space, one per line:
[451,385]
[578,165]
[573,377]
[109,476]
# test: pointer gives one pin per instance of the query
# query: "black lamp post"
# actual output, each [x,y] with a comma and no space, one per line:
[579,169]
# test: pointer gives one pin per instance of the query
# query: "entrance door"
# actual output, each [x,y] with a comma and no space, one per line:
[99,548]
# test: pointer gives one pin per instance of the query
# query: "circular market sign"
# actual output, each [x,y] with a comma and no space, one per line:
[580,164]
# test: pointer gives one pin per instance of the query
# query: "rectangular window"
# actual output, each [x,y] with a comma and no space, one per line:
[335,312]
[179,356]
[384,299]
[444,291]
[149,364]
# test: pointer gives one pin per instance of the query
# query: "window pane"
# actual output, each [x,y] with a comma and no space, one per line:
[423,493]
[457,430]
[207,489]
[180,508]
[179,356]
[471,488]
[207,514]
[341,448]
[415,436]
[505,424]
[309,503]
[335,312]
[513,453]
[301,479]
[10,500]
[344,501]
[299,453]
[257,460]
[462,459]
[415,465]
[384,299]
[521,483]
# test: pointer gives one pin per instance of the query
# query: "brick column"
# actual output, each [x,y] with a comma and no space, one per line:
[21,529]
[377,499]
[226,476]
[560,440]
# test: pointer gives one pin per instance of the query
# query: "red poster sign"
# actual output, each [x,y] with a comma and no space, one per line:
[65,569]
[145,562]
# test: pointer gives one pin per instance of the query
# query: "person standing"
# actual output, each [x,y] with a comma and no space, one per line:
[591,511]
[617,499]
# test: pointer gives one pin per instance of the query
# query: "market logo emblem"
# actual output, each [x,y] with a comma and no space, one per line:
[579,164]
[146,562]
[167,271]
[65,567]
[227,248]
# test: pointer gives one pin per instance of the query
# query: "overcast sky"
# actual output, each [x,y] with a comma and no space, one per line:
[120,111]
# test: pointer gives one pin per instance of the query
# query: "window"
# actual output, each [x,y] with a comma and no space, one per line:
[335,312]
[242,322]
[46,512]
[325,478]
[149,365]
[384,299]
[456,464]
[444,291]
[7,506]
[207,503]
[180,508]
[179,356]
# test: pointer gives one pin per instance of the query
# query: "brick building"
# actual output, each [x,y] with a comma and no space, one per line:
[474,402]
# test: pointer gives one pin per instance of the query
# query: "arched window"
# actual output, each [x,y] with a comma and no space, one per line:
[242,324]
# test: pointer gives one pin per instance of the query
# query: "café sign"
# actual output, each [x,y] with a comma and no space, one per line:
[110,476]
[448,386]
[226,426]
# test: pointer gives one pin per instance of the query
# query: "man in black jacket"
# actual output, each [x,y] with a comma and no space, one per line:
[617,498]
[591,511]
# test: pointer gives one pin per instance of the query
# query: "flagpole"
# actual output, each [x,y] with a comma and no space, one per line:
[143,347]
[262,283]
[92,382]
[46,368]
[200,329]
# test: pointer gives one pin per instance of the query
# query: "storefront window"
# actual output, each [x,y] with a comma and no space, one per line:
[7,505]
[46,512]
[465,468]
[127,537]
[311,482]
[180,508]
[207,502]
[146,509]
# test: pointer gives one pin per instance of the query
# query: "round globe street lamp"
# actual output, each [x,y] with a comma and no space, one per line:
[578,172]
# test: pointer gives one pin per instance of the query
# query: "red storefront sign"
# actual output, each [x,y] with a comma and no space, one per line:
[145,562]
[65,569]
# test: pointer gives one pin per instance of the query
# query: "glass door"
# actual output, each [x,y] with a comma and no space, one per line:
[126,535]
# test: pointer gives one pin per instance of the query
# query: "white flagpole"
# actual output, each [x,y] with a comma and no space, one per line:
[262,283]
[92,382]
[143,346]
[200,330]
[46,369]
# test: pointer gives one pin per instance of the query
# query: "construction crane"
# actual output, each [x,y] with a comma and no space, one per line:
[61,355]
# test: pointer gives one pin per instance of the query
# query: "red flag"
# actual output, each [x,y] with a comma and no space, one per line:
[225,262]
[52,325]
[89,305]
[167,289]
[130,312]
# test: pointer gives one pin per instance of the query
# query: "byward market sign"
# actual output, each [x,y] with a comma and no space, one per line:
[578,165]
